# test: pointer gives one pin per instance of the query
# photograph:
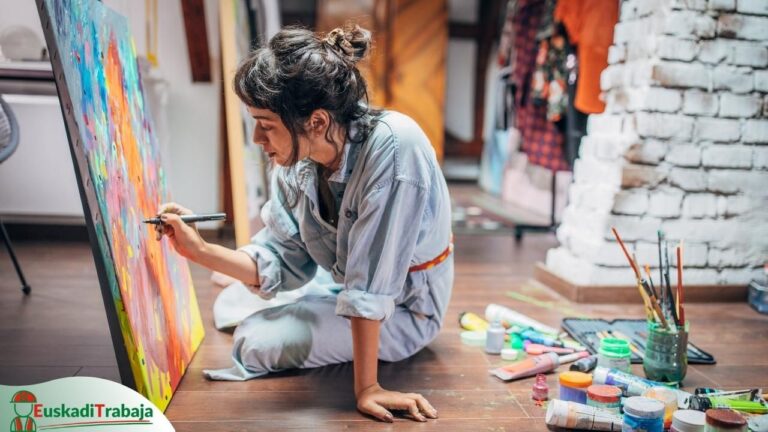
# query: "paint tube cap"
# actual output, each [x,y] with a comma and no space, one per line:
[604,393]
[600,375]
[688,421]
[509,354]
[473,338]
[724,418]
[575,379]
[643,407]
[615,348]
[515,341]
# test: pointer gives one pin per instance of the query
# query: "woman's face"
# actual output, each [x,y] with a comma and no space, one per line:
[272,135]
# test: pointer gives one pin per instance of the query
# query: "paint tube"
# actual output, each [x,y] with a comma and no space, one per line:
[470,321]
[572,415]
[746,395]
[703,403]
[497,312]
[536,349]
[535,365]
[585,365]
[539,338]
[633,385]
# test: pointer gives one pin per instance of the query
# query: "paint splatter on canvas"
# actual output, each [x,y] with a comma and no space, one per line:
[104,106]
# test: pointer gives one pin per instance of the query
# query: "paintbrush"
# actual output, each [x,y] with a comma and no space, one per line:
[671,305]
[650,281]
[652,299]
[680,308]
[664,296]
[626,254]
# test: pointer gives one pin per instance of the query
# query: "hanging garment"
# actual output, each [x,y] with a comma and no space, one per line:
[590,26]
[549,86]
[542,140]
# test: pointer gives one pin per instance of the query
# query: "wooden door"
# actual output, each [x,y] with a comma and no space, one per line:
[406,71]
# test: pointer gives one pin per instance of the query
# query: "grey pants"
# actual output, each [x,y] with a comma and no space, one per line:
[308,333]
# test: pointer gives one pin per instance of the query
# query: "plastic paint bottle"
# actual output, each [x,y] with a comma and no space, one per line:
[534,365]
[725,420]
[668,397]
[642,414]
[615,353]
[540,390]
[494,339]
[688,421]
[572,415]
[496,312]
[509,354]
[470,321]
[573,386]
[585,365]
[605,397]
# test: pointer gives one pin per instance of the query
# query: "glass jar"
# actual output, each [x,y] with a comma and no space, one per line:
[666,354]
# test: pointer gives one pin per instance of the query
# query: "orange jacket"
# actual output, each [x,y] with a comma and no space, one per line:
[589,24]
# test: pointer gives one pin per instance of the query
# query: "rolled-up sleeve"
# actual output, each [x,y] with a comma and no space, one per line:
[382,241]
[281,257]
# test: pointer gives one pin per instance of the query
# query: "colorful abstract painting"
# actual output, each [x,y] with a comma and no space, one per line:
[151,304]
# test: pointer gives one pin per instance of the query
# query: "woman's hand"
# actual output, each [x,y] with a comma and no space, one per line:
[377,402]
[185,238]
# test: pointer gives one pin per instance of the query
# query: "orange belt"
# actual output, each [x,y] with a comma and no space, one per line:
[434,261]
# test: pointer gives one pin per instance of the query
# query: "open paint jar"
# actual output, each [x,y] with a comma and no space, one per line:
[604,397]
[668,397]
[642,414]
[666,354]
[688,421]
[725,420]
[614,353]
[573,386]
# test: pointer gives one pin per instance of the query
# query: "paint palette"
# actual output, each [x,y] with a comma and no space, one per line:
[147,288]
[586,331]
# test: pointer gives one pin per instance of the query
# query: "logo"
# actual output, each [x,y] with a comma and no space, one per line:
[22,405]
[77,403]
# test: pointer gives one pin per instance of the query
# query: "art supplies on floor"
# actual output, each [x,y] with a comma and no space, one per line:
[589,332]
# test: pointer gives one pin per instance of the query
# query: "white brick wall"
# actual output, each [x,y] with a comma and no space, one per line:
[700,205]
[717,129]
[682,147]
[687,155]
[732,105]
[726,156]
[700,103]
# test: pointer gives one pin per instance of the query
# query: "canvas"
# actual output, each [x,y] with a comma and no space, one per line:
[147,288]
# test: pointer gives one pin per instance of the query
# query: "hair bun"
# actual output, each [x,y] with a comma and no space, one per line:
[351,41]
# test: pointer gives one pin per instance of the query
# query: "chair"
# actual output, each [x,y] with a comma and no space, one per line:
[9,140]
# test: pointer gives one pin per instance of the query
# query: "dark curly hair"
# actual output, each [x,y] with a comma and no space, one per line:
[300,71]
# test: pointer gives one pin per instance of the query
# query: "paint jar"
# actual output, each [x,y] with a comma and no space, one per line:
[573,386]
[494,339]
[614,353]
[605,397]
[540,390]
[642,414]
[668,397]
[688,421]
[666,354]
[725,420]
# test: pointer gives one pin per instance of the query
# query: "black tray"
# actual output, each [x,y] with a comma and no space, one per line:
[584,329]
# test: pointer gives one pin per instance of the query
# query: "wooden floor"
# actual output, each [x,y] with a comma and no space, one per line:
[60,330]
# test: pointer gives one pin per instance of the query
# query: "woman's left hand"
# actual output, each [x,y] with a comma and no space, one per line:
[377,402]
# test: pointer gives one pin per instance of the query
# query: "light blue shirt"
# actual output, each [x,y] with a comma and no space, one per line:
[394,212]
